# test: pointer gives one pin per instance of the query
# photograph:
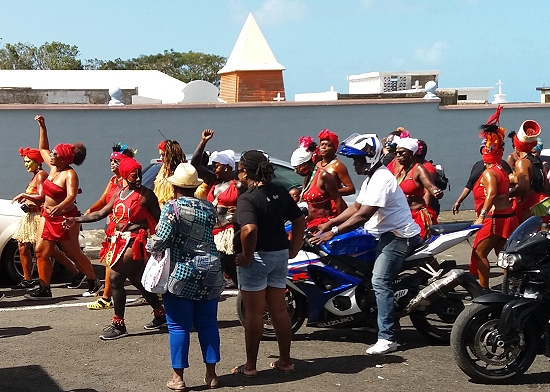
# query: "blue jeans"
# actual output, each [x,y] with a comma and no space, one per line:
[391,251]
[181,315]
[267,269]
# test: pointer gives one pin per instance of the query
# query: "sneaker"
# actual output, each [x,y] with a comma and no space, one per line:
[41,294]
[382,346]
[100,304]
[114,331]
[25,285]
[77,281]
[95,286]
[157,323]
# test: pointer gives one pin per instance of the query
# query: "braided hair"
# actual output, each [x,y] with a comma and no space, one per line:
[257,166]
[173,156]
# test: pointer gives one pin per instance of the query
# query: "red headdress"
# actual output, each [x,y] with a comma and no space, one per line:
[162,146]
[526,138]
[127,165]
[66,152]
[493,134]
[31,153]
[325,134]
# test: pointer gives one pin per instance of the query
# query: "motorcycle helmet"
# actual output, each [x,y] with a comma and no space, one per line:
[367,145]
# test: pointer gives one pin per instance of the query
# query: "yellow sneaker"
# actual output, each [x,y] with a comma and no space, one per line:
[100,304]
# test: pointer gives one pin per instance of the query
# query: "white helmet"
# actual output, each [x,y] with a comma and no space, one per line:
[367,145]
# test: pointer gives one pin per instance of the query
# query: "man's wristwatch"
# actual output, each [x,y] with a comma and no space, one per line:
[334,230]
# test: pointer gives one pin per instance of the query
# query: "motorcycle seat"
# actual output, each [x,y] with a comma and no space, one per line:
[448,227]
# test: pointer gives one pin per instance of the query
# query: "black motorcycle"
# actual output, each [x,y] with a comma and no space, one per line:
[500,334]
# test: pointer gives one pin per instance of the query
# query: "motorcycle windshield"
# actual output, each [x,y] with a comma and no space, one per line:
[524,232]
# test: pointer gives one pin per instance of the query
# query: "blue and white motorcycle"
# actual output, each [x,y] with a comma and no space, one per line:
[323,284]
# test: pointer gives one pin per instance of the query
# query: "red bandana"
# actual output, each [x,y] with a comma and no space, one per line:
[31,153]
[325,134]
[66,152]
[126,166]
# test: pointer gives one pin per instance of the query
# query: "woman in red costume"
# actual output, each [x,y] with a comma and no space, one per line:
[492,203]
[114,186]
[223,191]
[530,191]
[320,190]
[133,214]
[328,144]
[27,228]
[414,179]
[60,190]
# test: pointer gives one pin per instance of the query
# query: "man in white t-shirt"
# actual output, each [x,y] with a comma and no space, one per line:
[383,209]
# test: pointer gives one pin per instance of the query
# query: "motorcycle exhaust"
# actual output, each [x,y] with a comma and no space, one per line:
[435,290]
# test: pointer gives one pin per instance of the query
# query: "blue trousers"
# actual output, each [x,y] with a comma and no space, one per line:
[181,315]
[391,251]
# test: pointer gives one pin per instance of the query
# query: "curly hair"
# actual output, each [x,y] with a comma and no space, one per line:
[173,156]
[257,165]
[79,152]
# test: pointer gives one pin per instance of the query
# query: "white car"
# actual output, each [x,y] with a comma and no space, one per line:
[10,263]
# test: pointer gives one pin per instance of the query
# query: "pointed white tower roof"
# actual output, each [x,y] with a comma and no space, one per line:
[251,51]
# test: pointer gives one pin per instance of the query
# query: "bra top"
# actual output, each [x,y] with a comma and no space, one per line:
[503,187]
[407,184]
[227,197]
[53,190]
[313,195]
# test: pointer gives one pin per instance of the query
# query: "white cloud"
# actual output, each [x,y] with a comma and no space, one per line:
[432,54]
[276,12]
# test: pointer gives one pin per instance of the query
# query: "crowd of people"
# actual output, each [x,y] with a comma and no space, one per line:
[224,220]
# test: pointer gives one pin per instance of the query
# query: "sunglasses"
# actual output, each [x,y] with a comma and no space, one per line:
[401,153]
[53,153]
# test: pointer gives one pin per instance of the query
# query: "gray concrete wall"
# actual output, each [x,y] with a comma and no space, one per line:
[451,132]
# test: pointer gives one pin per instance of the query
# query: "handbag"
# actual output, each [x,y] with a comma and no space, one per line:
[156,274]
[157,271]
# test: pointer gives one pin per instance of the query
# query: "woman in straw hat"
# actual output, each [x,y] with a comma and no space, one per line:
[185,227]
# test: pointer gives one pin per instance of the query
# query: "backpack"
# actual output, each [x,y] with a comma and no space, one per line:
[538,182]
[441,181]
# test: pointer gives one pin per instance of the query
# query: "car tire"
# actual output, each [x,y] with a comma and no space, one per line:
[11,264]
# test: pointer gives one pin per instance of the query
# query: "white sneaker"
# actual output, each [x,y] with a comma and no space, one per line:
[382,346]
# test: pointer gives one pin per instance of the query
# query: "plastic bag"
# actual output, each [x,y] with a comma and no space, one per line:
[156,274]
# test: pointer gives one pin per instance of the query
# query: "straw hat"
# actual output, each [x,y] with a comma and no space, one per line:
[185,176]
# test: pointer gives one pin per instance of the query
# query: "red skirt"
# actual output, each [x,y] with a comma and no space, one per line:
[53,226]
[500,223]
[424,217]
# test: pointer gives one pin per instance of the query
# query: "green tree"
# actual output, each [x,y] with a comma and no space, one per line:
[185,66]
[55,55]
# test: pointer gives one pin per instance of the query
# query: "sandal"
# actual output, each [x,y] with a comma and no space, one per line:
[275,366]
[178,386]
[211,383]
[240,371]
[100,304]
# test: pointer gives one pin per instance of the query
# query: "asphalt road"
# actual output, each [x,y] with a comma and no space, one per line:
[55,346]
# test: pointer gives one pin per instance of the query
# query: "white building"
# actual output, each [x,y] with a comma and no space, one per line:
[152,86]
[387,82]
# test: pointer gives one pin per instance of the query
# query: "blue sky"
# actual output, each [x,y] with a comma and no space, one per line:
[474,43]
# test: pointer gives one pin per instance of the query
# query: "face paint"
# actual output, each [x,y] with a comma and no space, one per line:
[114,164]
[134,178]
[30,165]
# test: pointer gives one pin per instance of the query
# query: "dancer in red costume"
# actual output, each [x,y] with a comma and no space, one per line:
[492,201]
[133,214]
[114,186]
[60,190]
[27,228]
[414,179]
[328,144]
[320,189]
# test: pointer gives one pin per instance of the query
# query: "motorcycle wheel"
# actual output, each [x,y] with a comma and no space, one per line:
[296,306]
[436,320]
[490,363]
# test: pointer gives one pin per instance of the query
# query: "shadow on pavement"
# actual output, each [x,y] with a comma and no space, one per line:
[30,378]
[351,364]
[21,331]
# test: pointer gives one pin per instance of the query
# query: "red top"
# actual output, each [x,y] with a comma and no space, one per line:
[407,184]
[227,198]
[313,195]
[114,186]
[503,187]
[53,190]
[129,210]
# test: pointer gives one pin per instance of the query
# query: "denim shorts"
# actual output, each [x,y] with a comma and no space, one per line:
[267,269]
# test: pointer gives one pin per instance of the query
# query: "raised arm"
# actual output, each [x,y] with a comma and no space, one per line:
[196,160]
[43,142]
